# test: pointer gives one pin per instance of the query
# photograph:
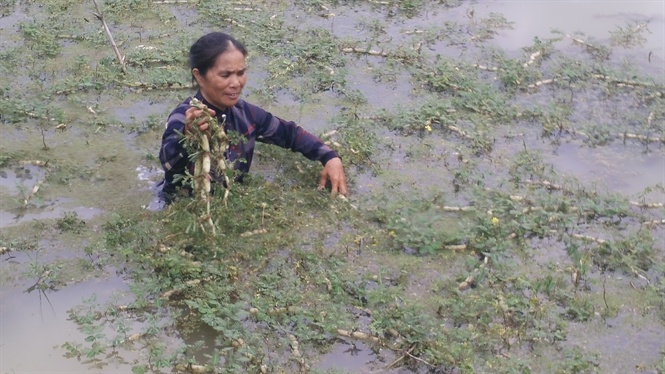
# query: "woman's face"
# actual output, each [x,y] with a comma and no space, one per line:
[223,82]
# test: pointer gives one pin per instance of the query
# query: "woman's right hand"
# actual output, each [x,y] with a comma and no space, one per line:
[193,114]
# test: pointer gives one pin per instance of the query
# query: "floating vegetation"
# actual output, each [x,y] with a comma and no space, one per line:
[464,246]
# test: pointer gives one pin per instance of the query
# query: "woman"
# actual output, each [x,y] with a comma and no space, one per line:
[217,62]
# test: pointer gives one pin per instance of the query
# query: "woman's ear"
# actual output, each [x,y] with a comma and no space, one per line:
[197,75]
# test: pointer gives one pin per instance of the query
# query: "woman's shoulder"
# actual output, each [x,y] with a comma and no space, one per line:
[249,109]
[242,104]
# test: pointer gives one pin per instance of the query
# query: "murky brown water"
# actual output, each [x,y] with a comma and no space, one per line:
[32,327]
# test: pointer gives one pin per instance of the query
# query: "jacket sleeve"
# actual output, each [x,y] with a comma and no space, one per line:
[172,154]
[286,134]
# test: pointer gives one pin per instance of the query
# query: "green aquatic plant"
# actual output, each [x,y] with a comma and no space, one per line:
[463,249]
[70,222]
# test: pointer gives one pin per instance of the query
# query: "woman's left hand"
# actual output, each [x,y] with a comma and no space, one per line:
[334,172]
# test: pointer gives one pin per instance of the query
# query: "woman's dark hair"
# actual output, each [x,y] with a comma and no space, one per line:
[204,52]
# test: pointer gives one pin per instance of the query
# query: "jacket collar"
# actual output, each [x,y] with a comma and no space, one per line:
[217,110]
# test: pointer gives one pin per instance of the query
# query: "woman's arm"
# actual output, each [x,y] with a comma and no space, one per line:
[286,134]
[172,154]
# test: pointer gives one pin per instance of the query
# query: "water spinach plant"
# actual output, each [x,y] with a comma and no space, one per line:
[463,248]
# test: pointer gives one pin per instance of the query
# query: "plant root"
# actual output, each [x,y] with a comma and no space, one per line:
[471,278]
[191,368]
[370,52]
[297,355]
[207,149]
[253,232]
[358,335]
[532,58]
[190,283]
[654,223]
[273,311]
[647,205]
[33,192]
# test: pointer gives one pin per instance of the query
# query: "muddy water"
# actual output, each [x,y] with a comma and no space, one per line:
[592,19]
[355,355]
[34,325]
[621,169]
[626,170]
[31,326]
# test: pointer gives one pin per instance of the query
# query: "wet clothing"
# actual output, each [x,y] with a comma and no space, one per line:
[250,121]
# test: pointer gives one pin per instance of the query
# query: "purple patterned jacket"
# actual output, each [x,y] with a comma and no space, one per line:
[250,121]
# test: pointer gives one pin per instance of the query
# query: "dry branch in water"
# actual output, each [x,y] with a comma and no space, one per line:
[100,17]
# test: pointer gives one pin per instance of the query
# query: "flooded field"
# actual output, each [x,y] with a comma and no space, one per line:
[506,162]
